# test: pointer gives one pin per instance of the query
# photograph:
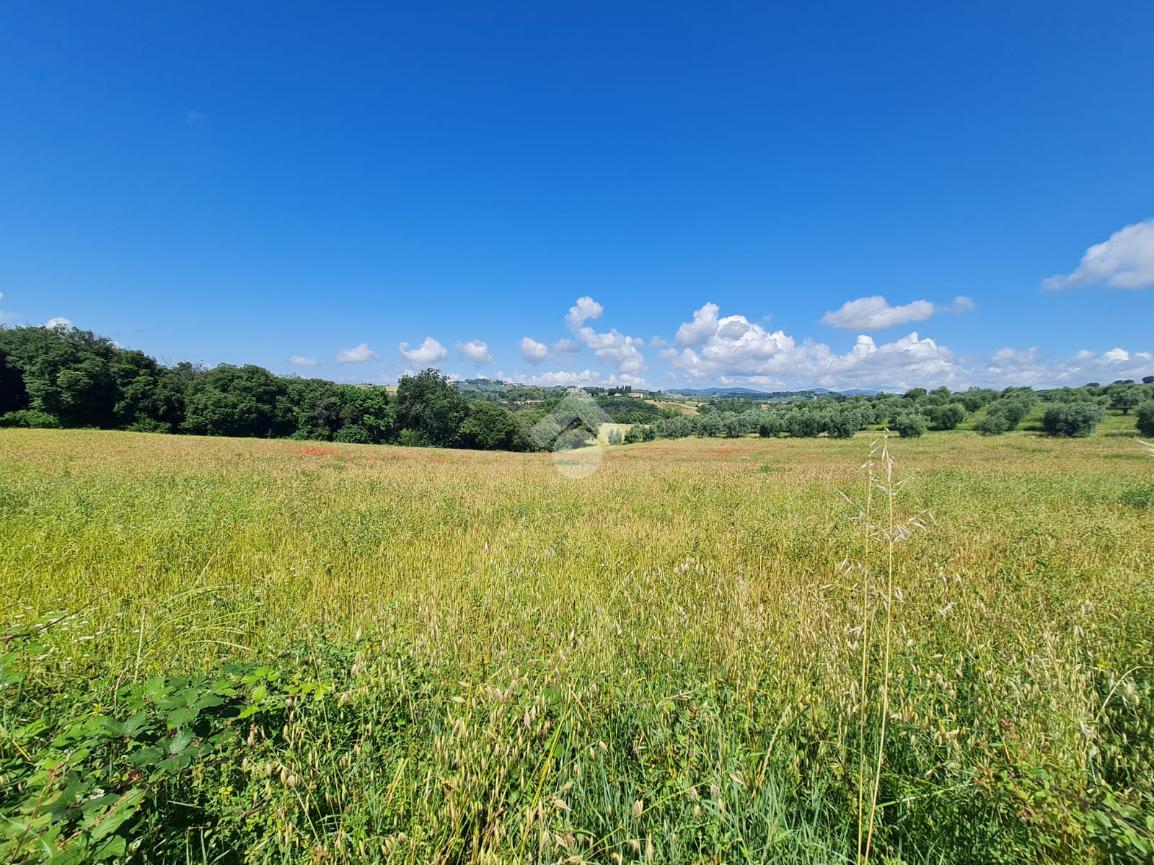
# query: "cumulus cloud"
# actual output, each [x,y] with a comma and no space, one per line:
[875,313]
[476,351]
[703,326]
[610,346]
[1029,367]
[428,352]
[583,310]
[566,346]
[59,322]
[732,348]
[742,352]
[571,378]
[301,360]
[615,348]
[358,354]
[556,378]
[1125,260]
[532,351]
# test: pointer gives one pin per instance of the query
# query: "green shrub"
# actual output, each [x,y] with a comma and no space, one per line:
[948,416]
[149,425]
[803,424]
[638,433]
[1071,420]
[29,417]
[1145,418]
[910,425]
[353,435]
[412,438]
[993,425]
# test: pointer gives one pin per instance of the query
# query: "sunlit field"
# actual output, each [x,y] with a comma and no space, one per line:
[696,654]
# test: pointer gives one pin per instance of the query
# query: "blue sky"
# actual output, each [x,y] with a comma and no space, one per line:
[258,182]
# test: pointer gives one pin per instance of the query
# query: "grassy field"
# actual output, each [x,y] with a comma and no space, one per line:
[696,654]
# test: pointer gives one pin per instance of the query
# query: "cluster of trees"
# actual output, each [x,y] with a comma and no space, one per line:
[57,377]
[531,403]
[837,417]
[73,378]
[1068,412]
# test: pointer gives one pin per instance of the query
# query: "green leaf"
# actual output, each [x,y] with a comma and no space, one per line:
[182,716]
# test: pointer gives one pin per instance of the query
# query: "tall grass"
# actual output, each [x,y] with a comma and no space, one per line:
[700,653]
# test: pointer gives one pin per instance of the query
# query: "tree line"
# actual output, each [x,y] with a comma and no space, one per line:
[64,377]
[1067,412]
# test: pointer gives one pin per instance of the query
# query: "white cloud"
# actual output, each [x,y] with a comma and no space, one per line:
[532,351]
[570,378]
[1012,367]
[357,354]
[301,360]
[585,309]
[610,346]
[703,326]
[566,346]
[732,348]
[564,377]
[615,348]
[1126,260]
[428,352]
[58,322]
[875,313]
[741,352]
[476,351]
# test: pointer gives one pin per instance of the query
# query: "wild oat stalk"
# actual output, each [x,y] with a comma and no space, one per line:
[892,532]
[866,514]
[888,600]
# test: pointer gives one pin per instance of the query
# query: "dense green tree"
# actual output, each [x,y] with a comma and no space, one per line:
[238,401]
[976,397]
[147,395]
[910,425]
[947,416]
[840,425]
[770,425]
[992,425]
[369,408]
[429,406]
[803,424]
[1144,417]
[1124,397]
[13,396]
[353,434]
[1076,419]
[65,373]
[490,427]
[316,406]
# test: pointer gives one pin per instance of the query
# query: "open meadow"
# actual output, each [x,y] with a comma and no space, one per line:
[230,650]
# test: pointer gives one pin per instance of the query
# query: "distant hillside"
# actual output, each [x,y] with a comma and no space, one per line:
[750,393]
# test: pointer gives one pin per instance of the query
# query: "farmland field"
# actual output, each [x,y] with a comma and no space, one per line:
[419,655]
